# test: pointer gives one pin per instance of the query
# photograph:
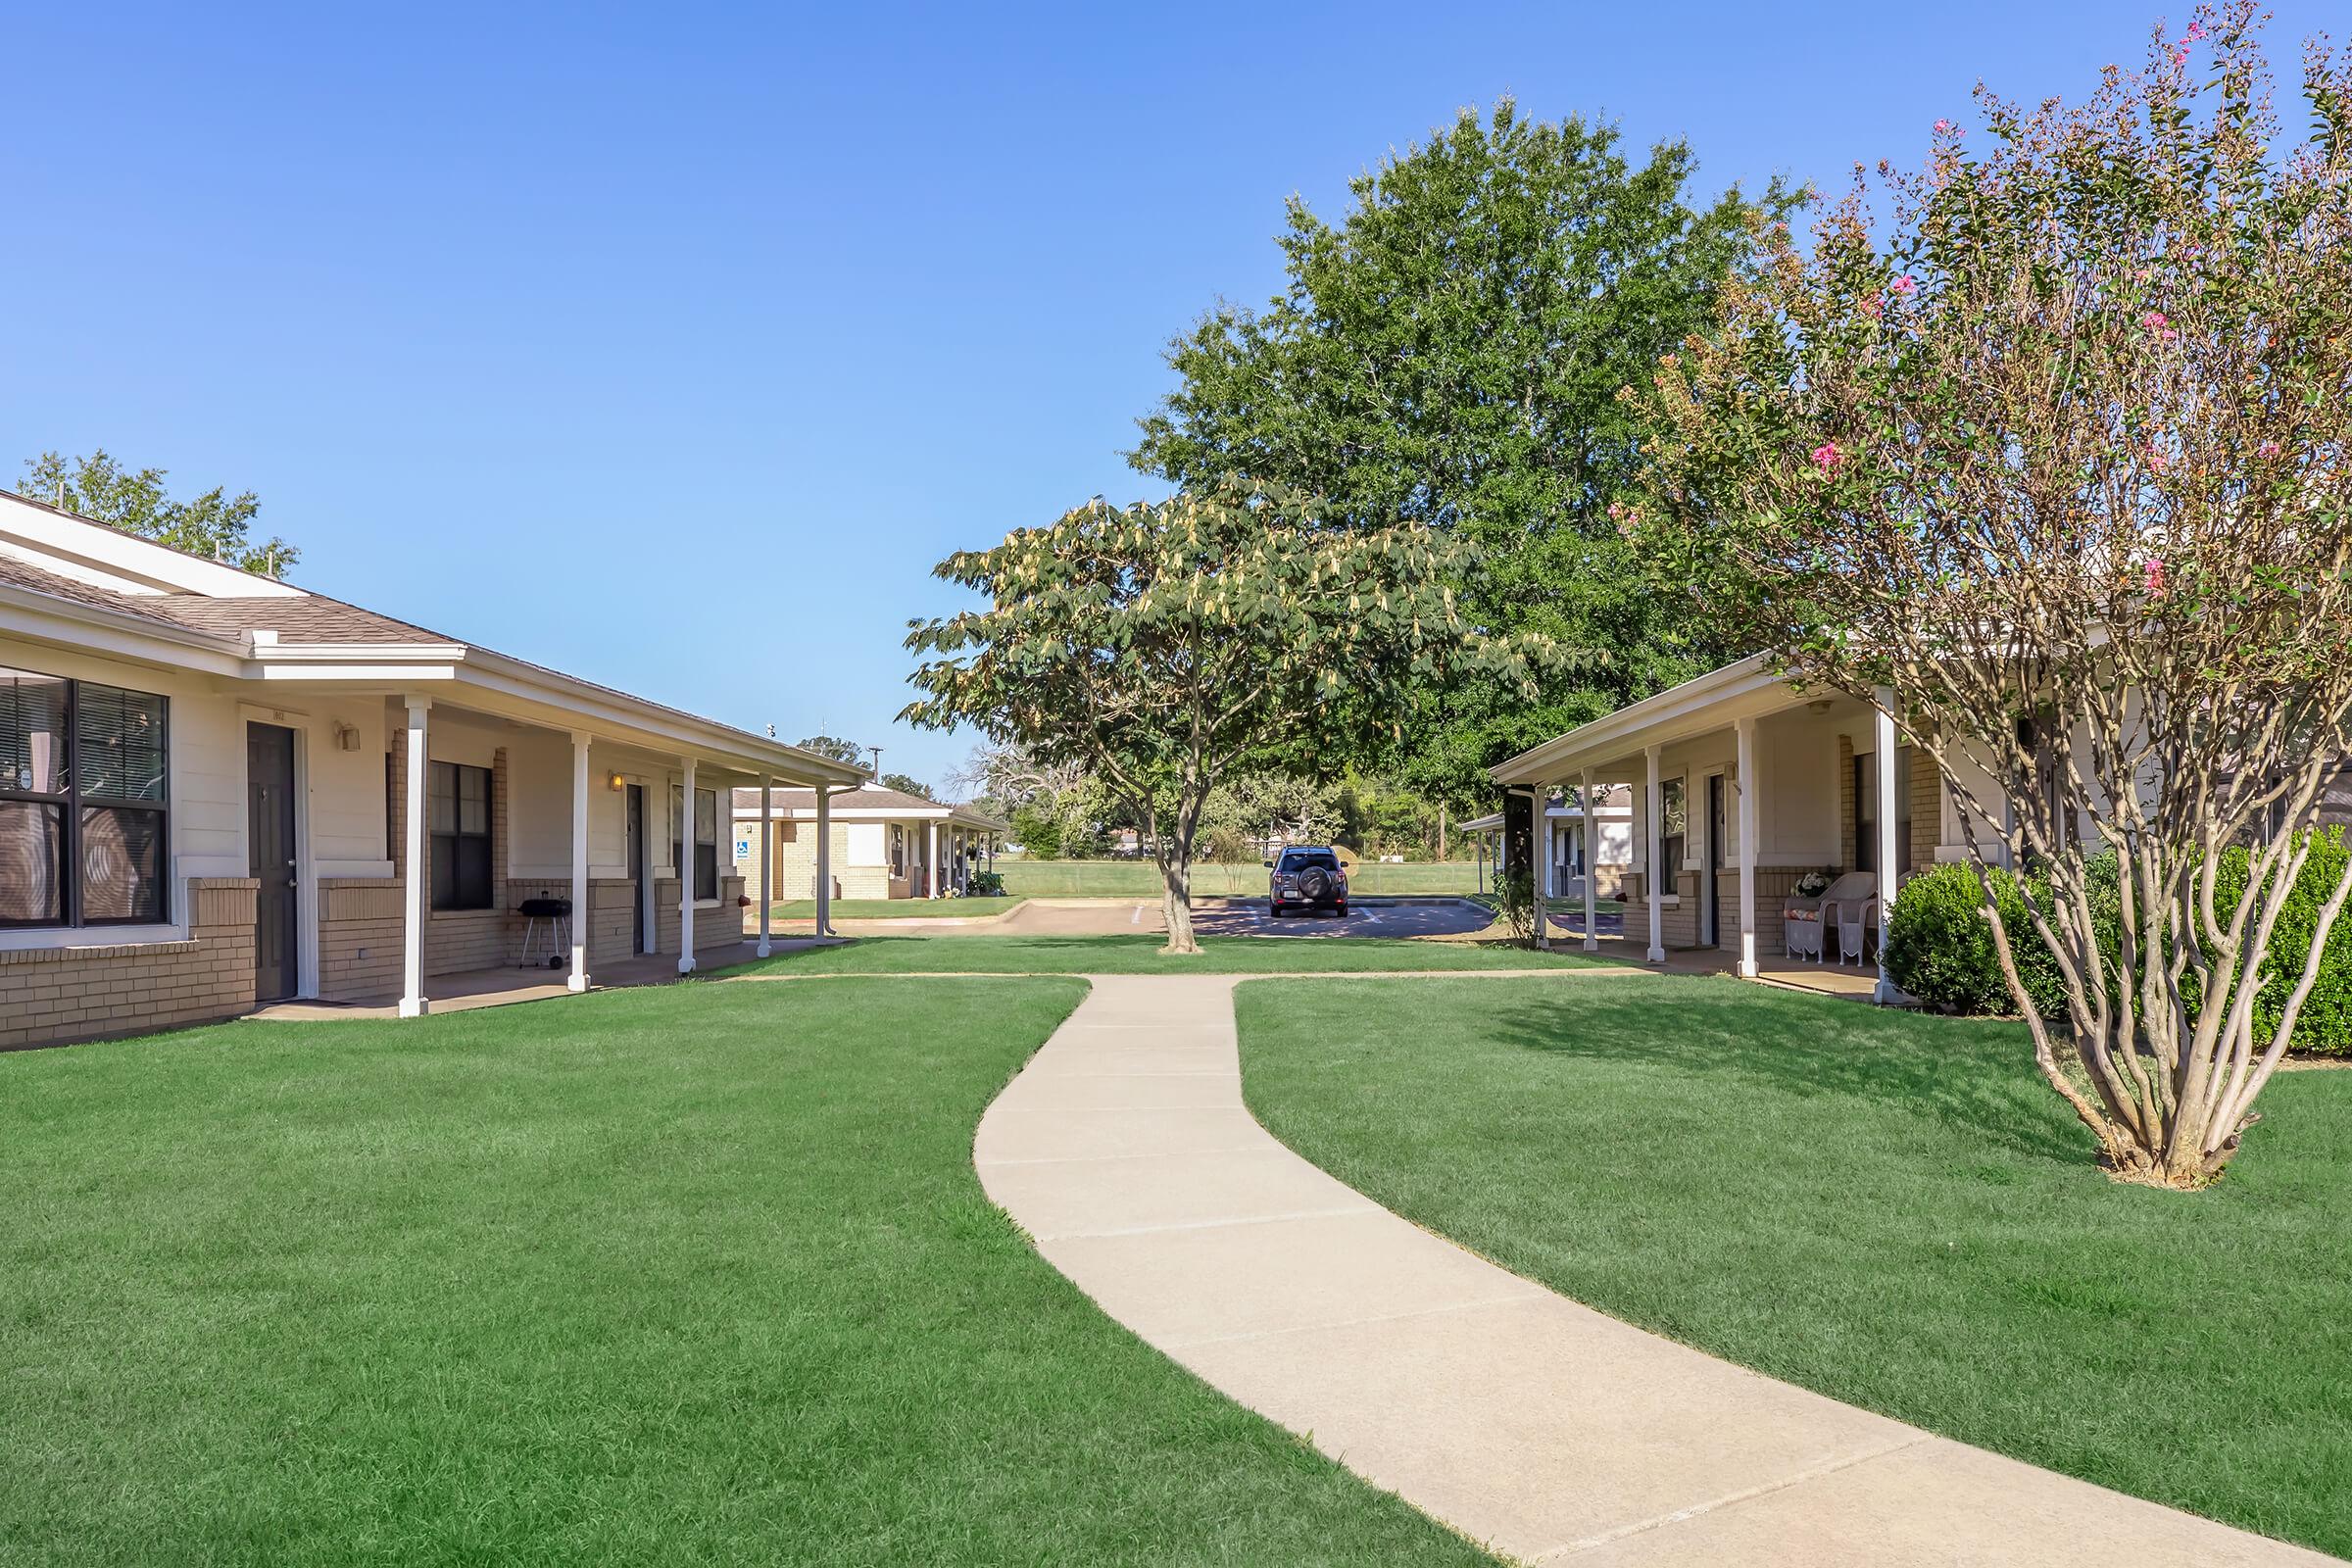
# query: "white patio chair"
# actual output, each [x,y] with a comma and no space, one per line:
[1851,905]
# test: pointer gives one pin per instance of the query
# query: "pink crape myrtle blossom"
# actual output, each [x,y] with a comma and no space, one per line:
[1906,285]
[1827,456]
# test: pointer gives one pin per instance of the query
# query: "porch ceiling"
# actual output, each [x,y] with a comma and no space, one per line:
[618,721]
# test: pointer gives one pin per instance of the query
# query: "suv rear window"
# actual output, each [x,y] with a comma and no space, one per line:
[1300,859]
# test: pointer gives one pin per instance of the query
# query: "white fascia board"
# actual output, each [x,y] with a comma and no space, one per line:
[96,547]
[555,700]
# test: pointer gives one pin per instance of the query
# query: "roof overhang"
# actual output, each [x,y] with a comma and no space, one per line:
[1711,702]
[456,673]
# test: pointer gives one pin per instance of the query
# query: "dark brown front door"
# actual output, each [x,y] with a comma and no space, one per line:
[636,863]
[269,831]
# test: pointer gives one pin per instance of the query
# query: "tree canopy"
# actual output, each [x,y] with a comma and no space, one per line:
[1159,645]
[2059,464]
[214,524]
[1448,356]
[838,750]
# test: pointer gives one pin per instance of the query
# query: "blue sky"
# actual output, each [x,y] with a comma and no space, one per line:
[501,313]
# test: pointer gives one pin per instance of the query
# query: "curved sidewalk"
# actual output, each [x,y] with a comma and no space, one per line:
[1539,1427]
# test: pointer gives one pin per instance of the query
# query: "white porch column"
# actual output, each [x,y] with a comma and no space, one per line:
[1656,874]
[1541,839]
[768,853]
[931,857]
[1746,729]
[1592,862]
[824,859]
[578,979]
[686,869]
[419,869]
[1887,993]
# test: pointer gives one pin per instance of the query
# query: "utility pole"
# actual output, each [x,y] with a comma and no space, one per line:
[877,751]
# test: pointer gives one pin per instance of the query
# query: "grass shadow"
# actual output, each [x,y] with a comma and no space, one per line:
[1969,1075]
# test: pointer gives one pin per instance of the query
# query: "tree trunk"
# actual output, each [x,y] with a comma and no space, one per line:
[1176,904]
[1176,875]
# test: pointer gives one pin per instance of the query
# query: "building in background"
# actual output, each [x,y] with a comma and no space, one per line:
[885,844]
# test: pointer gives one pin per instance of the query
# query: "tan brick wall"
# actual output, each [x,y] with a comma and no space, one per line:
[1678,923]
[1774,884]
[712,928]
[51,996]
[1848,817]
[795,871]
[360,922]
[1926,808]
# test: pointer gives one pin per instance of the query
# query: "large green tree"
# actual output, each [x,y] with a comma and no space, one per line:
[1448,354]
[2043,446]
[1160,646]
[214,524]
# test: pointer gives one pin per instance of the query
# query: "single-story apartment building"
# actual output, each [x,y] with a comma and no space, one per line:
[1564,841]
[219,791]
[881,843]
[1741,784]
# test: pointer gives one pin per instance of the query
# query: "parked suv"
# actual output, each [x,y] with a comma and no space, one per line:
[1308,878]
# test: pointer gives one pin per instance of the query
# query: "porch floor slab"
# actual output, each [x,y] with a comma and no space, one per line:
[498,988]
[1826,979]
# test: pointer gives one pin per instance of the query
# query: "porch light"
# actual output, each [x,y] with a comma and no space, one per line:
[615,783]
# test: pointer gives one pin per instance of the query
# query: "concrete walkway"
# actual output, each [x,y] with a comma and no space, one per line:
[1539,1427]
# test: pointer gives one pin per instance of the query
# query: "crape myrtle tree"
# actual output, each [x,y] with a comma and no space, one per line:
[2055,471]
[1159,645]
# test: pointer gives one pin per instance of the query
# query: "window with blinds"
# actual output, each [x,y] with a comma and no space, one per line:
[84,803]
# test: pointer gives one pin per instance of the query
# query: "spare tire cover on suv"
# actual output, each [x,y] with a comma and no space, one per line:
[1314,883]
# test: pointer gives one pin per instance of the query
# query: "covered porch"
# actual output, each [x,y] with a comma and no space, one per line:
[1742,786]
[434,824]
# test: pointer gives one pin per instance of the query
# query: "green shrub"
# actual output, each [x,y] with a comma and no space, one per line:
[2325,1025]
[1038,833]
[1939,945]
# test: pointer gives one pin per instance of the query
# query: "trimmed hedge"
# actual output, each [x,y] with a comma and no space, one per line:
[1939,945]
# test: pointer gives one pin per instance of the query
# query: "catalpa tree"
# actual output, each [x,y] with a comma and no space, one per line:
[2055,470]
[1158,645]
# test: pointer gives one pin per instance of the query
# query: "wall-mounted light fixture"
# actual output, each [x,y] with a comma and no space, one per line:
[615,783]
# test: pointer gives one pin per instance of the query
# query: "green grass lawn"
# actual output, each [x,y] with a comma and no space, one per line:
[1140,879]
[1140,955]
[1889,1208]
[894,909]
[691,1274]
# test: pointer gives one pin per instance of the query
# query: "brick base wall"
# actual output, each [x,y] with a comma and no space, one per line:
[712,928]
[361,921]
[52,996]
[1678,923]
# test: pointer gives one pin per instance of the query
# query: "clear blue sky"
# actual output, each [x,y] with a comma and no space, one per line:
[498,310]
